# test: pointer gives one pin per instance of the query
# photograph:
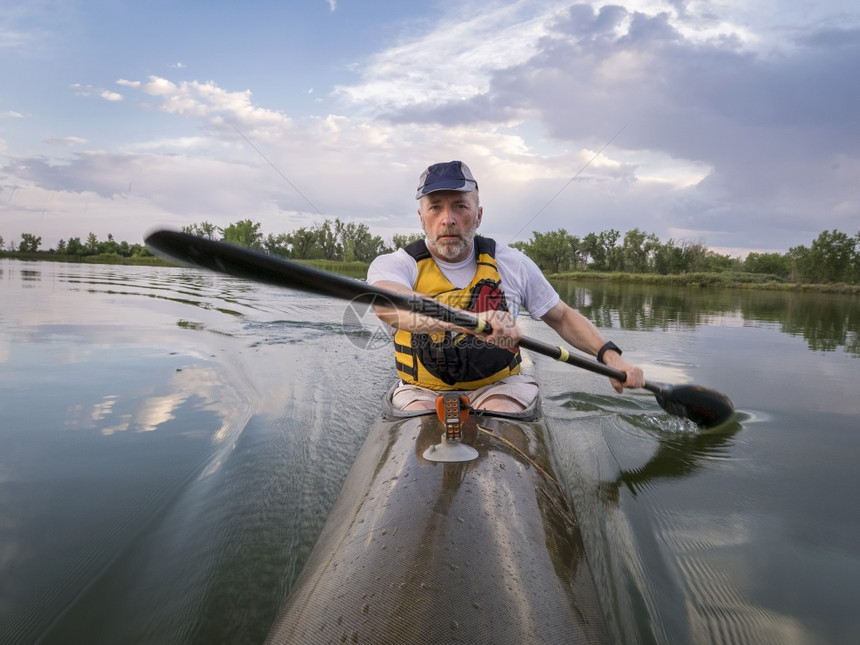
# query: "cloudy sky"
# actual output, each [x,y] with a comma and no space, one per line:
[731,123]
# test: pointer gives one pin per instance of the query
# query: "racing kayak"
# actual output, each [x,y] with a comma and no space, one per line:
[421,551]
[424,551]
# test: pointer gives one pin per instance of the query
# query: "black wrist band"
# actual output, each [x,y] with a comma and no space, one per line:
[602,351]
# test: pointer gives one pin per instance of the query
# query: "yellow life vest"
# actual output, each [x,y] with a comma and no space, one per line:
[455,360]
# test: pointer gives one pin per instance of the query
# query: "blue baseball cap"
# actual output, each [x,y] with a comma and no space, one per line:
[449,175]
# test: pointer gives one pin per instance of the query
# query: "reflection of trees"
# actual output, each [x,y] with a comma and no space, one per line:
[825,321]
[677,456]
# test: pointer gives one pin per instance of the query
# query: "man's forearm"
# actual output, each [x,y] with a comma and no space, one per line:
[575,329]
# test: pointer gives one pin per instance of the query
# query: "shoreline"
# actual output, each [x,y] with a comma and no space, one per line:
[724,280]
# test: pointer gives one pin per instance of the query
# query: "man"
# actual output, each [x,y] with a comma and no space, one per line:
[490,280]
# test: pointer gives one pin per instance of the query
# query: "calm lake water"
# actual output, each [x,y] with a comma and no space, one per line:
[171,442]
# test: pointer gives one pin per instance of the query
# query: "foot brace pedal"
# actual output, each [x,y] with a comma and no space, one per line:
[452,410]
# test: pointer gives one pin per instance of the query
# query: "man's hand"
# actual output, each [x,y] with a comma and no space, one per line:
[635,377]
[505,332]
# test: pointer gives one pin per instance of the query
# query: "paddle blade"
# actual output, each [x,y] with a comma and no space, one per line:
[700,405]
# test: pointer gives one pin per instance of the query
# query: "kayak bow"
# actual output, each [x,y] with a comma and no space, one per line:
[414,551]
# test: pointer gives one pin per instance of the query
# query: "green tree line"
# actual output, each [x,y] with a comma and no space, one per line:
[833,257]
[330,240]
[75,247]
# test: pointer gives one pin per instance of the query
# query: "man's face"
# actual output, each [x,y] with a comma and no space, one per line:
[449,219]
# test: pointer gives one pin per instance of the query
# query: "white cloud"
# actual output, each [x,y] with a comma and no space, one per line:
[158,86]
[174,144]
[10,39]
[452,62]
[81,89]
[90,90]
[15,32]
[210,103]
[65,141]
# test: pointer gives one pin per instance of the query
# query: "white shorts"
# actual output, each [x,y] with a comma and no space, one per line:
[519,387]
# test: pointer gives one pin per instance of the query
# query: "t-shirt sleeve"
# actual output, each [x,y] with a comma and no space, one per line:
[535,293]
[397,267]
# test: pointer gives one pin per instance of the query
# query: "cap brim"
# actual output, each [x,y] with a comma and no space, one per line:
[460,185]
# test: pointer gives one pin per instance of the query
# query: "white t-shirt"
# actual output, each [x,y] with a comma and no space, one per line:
[524,285]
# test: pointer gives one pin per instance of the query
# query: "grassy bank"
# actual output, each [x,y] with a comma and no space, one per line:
[104,258]
[351,269]
[358,270]
[726,279]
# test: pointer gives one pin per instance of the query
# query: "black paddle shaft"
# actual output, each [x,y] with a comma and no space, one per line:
[701,405]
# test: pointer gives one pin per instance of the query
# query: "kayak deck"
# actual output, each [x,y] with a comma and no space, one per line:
[415,551]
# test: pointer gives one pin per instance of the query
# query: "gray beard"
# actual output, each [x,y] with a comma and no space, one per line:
[448,251]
